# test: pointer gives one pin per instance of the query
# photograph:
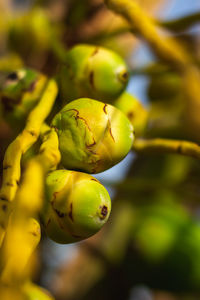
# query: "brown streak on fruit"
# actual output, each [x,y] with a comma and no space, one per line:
[104,109]
[78,117]
[111,134]
[70,213]
[91,79]
[59,213]
[95,52]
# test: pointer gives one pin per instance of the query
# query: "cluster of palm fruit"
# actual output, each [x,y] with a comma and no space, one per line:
[93,135]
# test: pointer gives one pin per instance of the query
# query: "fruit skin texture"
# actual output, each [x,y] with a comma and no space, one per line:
[93,136]
[94,72]
[77,206]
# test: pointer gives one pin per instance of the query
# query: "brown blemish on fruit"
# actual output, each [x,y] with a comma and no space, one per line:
[94,179]
[59,213]
[104,109]
[70,213]
[91,79]
[92,144]
[123,76]
[104,212]
[33,233]
[78,117]
[95,52]
[111,134]
[130,115]
[32,86]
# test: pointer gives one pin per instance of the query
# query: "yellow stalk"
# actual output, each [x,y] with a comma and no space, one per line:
[14,152]
[158,145]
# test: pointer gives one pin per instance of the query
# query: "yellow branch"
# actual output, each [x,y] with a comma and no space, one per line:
[12,159]
[28,202]
[167,146]
[166,48]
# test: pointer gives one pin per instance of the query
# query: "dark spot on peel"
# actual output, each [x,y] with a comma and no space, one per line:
[12,76]
[104,212]
[94,179]
[70,213]
[130,115]
[124,76]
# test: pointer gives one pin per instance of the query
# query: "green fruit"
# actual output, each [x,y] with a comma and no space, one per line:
[77,206]
[134,110]
[93,136]
[94,72]
[30,32]
[19,93]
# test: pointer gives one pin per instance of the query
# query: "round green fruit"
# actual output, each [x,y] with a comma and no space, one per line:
[93,136]
[94,72]
[77,206]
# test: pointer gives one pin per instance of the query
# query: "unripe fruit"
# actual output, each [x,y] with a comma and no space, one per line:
[93,136]
[134,110]
[77,206]
[94,72]
[19,93]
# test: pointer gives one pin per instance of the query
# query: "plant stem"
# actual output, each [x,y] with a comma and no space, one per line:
[158,145]
[12,159]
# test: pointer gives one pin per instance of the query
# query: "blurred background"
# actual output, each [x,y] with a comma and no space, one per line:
[150,248]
